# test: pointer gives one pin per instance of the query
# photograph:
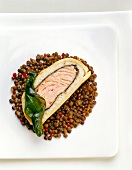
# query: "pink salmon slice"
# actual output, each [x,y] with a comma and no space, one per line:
[56,83]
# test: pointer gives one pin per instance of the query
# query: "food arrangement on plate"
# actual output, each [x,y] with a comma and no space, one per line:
[53,94]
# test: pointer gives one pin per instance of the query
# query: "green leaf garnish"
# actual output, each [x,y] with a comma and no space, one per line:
[34,104]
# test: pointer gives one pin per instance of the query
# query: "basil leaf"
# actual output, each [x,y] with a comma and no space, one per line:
[30,80]
[34,105]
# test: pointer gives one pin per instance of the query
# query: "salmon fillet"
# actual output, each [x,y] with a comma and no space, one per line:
[60,81]
[56,83]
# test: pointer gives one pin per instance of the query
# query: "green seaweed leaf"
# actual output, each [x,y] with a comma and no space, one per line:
[34,104]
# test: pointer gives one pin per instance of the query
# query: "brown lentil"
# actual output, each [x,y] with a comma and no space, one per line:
[65,135]
[72,113]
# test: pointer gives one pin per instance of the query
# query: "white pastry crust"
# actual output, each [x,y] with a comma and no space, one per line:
[81,77]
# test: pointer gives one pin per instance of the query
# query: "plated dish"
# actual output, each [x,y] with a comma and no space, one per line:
[98,136]
[53,94]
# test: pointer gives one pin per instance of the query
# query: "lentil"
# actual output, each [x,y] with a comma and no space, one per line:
[72,113]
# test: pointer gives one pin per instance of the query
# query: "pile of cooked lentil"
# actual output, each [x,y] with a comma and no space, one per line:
[72,113]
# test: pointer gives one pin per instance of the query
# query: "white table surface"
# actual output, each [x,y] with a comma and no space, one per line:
[121,22]
[64,5]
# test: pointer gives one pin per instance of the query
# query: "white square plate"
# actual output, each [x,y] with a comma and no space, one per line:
[98,137]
